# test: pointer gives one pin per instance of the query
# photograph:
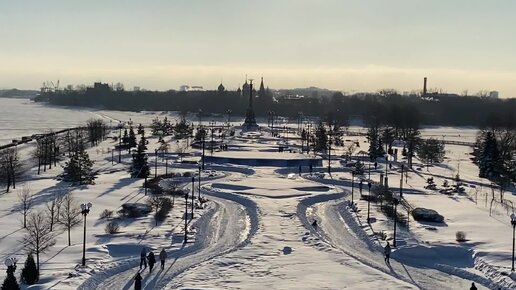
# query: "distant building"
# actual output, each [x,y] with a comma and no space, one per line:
[493,94]
[99,87]
[187,88]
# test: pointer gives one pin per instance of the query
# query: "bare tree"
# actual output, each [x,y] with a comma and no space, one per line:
[9,166]
[39,238]
[25,199]
[53,208]
[155,202]
[69,214]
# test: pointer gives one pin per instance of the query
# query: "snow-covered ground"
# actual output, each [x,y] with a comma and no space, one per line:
[256,231]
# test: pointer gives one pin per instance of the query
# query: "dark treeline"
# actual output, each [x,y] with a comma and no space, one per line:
[434,110]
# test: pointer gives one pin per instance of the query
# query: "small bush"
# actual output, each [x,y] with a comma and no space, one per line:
[112,228]
[460,236]
[187,174]
[105,214]
[164,209]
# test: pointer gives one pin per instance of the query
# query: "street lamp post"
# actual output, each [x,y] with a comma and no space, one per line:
[369,203]
[513,223]
[395,201]
[329,152]
[401,181]
[229,115]
[156,163]
[85,209]
[199,185]
[186,216]
[10,262]
[120,142]
[112,155]
[203,145]
[193,195]
[352,185]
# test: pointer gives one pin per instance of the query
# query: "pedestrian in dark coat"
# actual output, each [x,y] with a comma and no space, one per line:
[162,257]
[152,260]
[143,258]
[473,287]
[387,252]
[138,282]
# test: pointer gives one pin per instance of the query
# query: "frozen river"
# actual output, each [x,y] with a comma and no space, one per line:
[23,117]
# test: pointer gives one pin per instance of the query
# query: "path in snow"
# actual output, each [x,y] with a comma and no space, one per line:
[220,230]
[339,228]
[282,254]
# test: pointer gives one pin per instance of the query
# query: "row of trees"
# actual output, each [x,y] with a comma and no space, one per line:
[164,127]
[495,150]
[61,213]
[438,109]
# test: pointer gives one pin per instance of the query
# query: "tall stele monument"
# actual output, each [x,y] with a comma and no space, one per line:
[250,121]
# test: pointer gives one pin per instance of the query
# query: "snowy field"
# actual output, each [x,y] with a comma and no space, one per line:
[256,231]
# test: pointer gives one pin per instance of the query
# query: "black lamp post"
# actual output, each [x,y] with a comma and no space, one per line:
[199,185]
[113,156]
[329,152]
[85,209]
[369,203]
[156,163]
[513,223]
[352,185]
[229,115]
[186,216]
[193,195]
[120,142]
[401,181]
[395,201]
[203,145]
[11,265]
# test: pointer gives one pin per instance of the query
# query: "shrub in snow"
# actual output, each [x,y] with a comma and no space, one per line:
[105,214]
[29,274]
[427,215]
[134,210]
[112,228]
[10,283]
[460,236]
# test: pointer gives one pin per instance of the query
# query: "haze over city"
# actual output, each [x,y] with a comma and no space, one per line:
[341,45]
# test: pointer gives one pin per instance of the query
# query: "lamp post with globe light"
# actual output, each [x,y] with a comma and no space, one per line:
[396,201]
[10,262]
[186,215]
[85,209]
[513,223]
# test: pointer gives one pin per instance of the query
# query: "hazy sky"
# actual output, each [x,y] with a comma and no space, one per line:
[361,45]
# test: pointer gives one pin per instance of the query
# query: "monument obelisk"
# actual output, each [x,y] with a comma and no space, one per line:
[250,121]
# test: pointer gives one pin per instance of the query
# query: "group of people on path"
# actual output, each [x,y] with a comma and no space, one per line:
[151,259]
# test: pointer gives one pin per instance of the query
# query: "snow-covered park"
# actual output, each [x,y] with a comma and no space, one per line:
[257,230]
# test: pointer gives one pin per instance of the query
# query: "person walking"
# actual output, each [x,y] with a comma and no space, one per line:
[387,252]
[152,260]
[162,257]
[138,282]
[473,287]
[143,258]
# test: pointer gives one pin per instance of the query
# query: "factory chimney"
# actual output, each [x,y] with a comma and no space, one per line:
[424,87]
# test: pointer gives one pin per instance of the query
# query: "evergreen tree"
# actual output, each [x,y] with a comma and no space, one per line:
[79,168]
[10,283]
[140,165]
[125,138]
[29,274]
[321,138]
[489,157]
[131,140]
[359,168]
[141,130]
[375,144]
[431,151]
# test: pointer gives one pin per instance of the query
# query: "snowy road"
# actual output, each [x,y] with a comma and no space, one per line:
[223,228]
[340,229]
[282,254]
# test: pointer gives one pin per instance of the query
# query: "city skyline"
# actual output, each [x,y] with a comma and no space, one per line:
[339,45]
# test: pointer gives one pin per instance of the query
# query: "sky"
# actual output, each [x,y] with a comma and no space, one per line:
[362,45]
